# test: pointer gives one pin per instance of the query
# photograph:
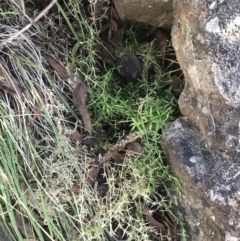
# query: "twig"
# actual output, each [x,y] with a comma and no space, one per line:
[41,14]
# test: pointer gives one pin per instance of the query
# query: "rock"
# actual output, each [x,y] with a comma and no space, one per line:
[208,51]
[156,13]
[210,182]
[203,148]
[130,66]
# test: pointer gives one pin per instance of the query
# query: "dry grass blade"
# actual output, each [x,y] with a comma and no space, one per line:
[8,85]
[19,33]
[60,70]
[39,109]
[80,101]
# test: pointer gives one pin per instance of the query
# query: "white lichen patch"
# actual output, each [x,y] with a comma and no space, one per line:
[230,90]
[229,237]
[214,196]
[230,31]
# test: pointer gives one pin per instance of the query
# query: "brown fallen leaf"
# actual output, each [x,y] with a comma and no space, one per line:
[171,227]
[24,227]
[176,85]
[115,15]
[39,109]
[134,147]
[168,222]
[60,70]
[76,136]
[76,188]
[9,85]
[104,54]
[114,23]
[117,38]
[162,42]
[159,226]
[79,99]
[112,153]
[93,172]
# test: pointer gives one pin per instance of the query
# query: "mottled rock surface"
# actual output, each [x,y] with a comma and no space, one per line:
[158,13]
[206,38]
[203,147]
[211,184]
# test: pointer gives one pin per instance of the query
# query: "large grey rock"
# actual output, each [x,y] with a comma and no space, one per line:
[203,148]
[206,38]
[211,184]
[157,13]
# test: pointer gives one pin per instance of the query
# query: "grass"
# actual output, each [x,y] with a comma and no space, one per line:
[40,164]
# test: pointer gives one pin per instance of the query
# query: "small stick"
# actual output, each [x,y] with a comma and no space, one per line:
[41,14]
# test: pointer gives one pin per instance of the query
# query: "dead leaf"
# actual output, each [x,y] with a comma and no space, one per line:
[93,172]
[60,70]
[39,109]
[134,147]
[114,24]
[167,221]
[176,85]
[153,222]
[114,14]
[104,54]
[9,85]
[76,136]
[112,153]
[79,99]
[171,227]
[24,227]
[162,42]
[76,188]
[118,37]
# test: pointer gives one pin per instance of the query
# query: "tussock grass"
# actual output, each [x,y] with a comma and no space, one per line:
[40,163]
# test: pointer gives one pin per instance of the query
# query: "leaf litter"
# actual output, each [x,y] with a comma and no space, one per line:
[79,97]
[112,153]
[79,93]
[39,108]
[9,85]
